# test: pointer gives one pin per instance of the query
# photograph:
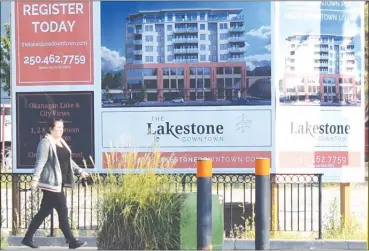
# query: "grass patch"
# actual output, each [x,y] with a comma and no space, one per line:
[248,232]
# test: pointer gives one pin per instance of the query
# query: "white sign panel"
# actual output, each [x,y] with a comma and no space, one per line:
[195,83]
[222,129]
[318,51]
[319,129]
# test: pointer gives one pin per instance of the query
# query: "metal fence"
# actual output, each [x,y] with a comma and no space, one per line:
[296,200]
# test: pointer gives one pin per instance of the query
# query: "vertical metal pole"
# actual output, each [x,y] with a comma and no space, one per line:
[204,204]
[345,201]
[16,204]
[3,136]
[367,219]
[320,207]
[262,204]
[52,223]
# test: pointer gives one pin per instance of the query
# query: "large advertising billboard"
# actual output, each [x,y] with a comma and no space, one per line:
[319,76]
[33,110]
[52,75]
[192,77]
[54,43]
[196,79]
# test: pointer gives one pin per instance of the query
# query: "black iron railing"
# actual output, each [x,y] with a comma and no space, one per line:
[296,200]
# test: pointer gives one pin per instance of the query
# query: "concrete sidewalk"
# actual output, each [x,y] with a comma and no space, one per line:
[94,249]
[48,248]
[53,243]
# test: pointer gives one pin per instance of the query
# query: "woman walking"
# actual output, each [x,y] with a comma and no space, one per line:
[54,169]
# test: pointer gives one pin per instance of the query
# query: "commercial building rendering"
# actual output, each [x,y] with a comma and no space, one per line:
[320,68]
[186,54]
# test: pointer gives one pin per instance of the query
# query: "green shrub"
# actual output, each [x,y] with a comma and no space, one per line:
[335,227]
[138,210]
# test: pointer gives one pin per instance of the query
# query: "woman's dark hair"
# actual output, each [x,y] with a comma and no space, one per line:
[51,123]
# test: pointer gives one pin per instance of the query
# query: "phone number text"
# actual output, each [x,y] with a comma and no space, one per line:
[55,59]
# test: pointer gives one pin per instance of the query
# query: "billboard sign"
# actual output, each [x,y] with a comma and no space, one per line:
[191,77]
[33,109]
[52,75]
[320,89]
[54,43]
[195,79]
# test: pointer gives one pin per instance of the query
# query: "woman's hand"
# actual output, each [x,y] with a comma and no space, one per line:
[33,184]
[84,174]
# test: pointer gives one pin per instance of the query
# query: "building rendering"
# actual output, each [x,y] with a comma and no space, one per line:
[193,54]
[320,67]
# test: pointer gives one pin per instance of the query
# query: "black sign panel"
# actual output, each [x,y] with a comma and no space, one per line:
[34,109]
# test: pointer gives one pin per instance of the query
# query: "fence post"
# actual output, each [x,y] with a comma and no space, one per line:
[262,204]
[345,201]
[367,219]
[274,207]
[183,182]
[16,204]
[3,137]
[204,204]
[52,223]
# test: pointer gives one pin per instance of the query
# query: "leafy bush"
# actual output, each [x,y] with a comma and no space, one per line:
[335,227]
[138,210]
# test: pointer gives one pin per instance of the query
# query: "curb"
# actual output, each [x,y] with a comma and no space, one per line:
[228,244]
[297,245]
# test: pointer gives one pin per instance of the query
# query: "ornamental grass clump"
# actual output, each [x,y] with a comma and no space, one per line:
[138,210]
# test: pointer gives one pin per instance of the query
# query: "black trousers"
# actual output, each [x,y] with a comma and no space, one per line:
[51,200]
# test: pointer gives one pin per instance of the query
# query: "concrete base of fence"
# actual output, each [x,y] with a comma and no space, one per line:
[229,244]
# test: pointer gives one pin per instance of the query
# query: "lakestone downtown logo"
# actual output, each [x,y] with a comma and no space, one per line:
[324,132]
[189,132]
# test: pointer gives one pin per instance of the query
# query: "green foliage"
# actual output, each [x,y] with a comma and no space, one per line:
[113,80]
[337,228]
[334,228]
[143,92]
[5,59]
[138,210]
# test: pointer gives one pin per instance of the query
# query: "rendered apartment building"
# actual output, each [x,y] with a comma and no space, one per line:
[194,54]
[321,67]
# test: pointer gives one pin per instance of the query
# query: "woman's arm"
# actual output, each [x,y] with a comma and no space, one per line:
[76,169]
[42,155]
